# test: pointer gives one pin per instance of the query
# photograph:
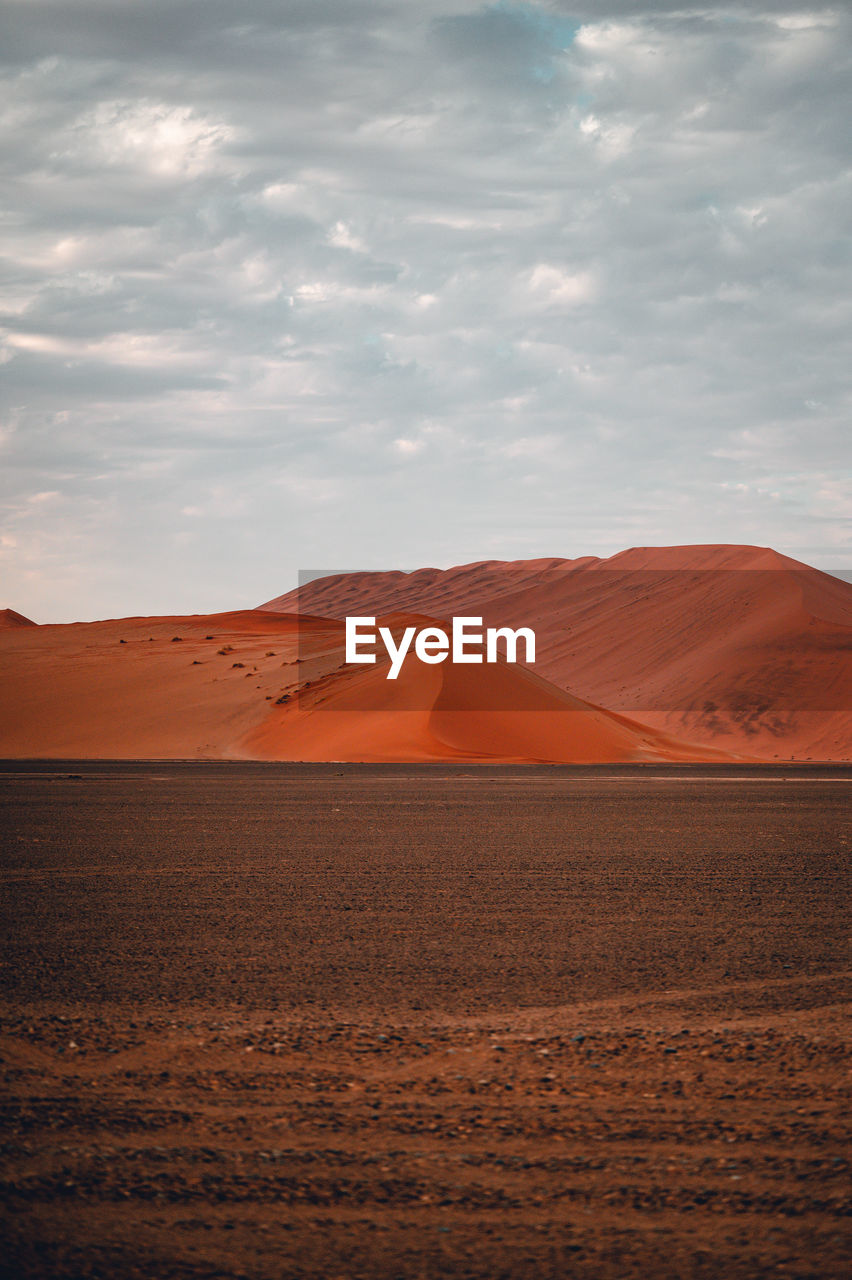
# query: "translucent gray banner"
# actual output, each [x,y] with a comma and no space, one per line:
[754,645]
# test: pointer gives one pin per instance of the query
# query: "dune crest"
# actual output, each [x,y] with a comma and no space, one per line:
[674,653]
[9,619]
[260,685]
[499,713]
[736,647]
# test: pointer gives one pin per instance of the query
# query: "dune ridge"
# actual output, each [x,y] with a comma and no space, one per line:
[258,685]
[737,647]
[679,653]
[9,619]
[501,712]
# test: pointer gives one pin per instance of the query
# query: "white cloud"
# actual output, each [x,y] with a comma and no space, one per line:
[166,139]
[559,286]
[806,21]
[342,238]
[613,138]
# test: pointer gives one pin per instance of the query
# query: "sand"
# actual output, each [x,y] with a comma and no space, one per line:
[735,647]
[679,653]
[141,687]
[9,619]
[211,686]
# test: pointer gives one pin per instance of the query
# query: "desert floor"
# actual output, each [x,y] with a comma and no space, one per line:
[372,1021]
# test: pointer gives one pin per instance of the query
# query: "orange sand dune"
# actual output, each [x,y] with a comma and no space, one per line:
[448,712]
[270,686]
[9,618]
[733,646]
[439,592]
[736,650]
[77,690]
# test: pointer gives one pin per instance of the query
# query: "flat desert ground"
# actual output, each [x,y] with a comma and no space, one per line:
[270,1020]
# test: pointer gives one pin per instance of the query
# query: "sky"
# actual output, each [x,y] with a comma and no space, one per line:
[343,284]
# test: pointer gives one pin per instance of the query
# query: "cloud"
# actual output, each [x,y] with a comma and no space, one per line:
[560,286]
[254,269]
[408,447]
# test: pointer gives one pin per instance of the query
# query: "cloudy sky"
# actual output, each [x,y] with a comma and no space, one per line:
[305,284]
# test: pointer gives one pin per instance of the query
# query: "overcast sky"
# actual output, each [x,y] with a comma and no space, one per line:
[305,284]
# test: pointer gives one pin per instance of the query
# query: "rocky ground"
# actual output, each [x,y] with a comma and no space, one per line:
[417,1100]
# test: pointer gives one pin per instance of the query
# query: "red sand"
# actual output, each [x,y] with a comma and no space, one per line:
[736,647]
[208,687]
[76,690]
[679,653]
[9,618]
[447,712]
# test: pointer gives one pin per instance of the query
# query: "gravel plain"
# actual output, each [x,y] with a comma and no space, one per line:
[355,1021]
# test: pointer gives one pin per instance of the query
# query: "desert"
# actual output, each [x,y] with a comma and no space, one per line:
[425,640]
[490,971]
[268,1020]
[667,653]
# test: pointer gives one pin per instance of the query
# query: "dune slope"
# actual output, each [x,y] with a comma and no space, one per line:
[269,686]
[448,712]
[733,646]
[656,653]
[168,687]
[9,619]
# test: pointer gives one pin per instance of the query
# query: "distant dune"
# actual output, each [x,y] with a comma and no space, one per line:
[678,653]
[9,619]
[735,647]
[77,690]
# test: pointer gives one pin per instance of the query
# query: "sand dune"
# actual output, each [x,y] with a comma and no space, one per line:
[9,619]
[654,654]
[141,687]
[256,684]
[448,712]
[737,647]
